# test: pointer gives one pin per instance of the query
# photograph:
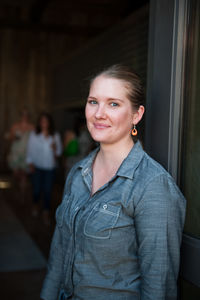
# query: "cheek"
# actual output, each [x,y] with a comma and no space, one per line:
[88,112]
[124,118]
[87,115]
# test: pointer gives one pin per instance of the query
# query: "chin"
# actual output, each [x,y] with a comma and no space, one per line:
[100,139]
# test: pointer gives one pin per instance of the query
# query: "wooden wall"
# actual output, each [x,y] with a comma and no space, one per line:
[27,59]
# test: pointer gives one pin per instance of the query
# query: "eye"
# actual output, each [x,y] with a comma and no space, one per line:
[113,104]
[92,101]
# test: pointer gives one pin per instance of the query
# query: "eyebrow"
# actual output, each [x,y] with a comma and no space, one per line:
[109,99]
[116,99]
[90,97]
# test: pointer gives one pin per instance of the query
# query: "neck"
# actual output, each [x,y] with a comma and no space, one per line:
[115,153]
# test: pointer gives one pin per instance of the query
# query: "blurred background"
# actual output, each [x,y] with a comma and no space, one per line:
[48,50]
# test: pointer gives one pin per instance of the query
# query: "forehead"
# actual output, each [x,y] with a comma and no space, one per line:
[108,87]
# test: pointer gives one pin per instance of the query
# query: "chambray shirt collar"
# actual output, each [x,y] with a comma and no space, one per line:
[128,166]
[131,162]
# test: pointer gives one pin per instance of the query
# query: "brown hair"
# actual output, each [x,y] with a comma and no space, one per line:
[132,80]
[51,127]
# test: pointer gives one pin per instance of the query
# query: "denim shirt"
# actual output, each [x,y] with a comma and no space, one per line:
[122,242]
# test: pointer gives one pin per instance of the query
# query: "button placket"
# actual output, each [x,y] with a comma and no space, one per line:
[71,261]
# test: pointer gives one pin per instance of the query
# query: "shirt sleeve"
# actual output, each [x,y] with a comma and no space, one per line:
[58,144]
[54,277]
[159,219]
[52,280]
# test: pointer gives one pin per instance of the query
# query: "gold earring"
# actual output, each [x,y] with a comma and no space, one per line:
[134,131]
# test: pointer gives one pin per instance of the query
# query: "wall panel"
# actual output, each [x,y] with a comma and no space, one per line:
[126,43]
[27,59]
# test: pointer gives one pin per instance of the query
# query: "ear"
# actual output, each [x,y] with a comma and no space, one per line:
[137,116]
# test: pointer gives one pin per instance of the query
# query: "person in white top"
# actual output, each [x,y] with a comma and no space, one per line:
[44,146]
[18,137]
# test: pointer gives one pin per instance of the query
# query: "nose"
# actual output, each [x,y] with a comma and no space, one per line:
[100,111]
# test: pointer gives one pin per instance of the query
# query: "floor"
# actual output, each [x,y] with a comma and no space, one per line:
[26,285]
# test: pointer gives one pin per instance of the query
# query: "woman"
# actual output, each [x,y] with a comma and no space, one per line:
[120,223]
[44,147]
[18,135]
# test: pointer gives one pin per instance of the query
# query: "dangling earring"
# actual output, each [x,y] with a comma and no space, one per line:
[134,130]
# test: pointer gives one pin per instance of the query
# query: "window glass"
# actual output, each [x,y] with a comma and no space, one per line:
[190,170]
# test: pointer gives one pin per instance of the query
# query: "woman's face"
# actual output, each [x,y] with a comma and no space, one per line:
[109,112]
[44,123]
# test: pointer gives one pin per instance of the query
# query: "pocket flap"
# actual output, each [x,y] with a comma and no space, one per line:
[101,220]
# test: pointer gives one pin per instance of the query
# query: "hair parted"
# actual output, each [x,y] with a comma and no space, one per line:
[133,82]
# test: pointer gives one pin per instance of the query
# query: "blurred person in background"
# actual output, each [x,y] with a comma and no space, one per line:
[86,143]
[18,137]
[44,147]
[77,144]
[70,149]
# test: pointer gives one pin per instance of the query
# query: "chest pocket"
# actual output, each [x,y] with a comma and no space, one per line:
[101,221]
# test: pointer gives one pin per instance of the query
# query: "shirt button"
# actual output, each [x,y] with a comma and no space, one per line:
[105,206]
[85,171]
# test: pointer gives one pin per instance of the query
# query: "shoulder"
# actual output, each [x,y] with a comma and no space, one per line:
[33,134]
[34,137]
[149,169]
[157,184]
[152,176]
[154,165]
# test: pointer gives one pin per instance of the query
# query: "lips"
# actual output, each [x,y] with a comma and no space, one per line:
[101,126]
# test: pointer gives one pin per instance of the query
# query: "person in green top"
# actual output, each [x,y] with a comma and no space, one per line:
[71,149]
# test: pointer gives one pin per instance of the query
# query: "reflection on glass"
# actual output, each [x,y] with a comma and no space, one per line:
[190,172]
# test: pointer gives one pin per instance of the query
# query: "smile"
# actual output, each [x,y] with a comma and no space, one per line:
[101,126]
